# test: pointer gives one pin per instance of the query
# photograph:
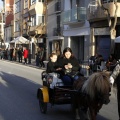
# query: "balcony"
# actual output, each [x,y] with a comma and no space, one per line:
[74,15]
[38,8]
[57,31]
[96,13]
[37,30]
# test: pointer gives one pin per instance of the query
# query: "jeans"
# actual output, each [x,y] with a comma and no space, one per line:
[67,80]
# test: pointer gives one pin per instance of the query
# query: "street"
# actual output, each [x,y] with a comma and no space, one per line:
[18,101]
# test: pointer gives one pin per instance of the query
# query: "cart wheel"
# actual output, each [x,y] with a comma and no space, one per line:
[42,104]
[88,114]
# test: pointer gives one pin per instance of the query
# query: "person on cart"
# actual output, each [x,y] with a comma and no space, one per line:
[52,65]
[70,66]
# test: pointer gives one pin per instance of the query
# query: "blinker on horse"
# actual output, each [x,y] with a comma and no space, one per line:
[92,94]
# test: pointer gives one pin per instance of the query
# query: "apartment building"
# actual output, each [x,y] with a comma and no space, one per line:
[18,13]
[8,19]
[37,32]
[55,39]
[76,30]
[101,40]
[2,29]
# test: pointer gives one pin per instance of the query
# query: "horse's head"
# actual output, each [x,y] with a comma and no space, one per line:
[97,87]
[103,98]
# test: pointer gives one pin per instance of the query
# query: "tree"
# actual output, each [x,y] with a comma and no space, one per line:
[111,21]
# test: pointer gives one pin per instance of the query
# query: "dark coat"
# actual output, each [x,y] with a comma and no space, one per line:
[74,62]
[51,67]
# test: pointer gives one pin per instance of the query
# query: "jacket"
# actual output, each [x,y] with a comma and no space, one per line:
[51,67]
[74,62]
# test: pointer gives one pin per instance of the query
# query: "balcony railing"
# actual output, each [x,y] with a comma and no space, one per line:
[74,15]
[96,13]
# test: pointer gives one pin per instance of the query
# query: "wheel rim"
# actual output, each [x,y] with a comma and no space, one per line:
[42,104]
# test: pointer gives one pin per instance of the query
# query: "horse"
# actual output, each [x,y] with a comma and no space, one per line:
[91,94]
[115,81]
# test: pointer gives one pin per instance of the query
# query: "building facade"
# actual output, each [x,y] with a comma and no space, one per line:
[76,30]
[100,26]
[55,39]
[8,19]
[18,13]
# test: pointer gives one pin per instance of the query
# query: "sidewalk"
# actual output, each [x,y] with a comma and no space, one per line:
[33,63]
[84,69]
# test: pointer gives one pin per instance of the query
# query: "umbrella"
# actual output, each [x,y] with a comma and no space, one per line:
[117,39]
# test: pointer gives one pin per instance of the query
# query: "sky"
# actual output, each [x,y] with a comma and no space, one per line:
[1,4]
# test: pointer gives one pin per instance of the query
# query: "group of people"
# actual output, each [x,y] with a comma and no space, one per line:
[66,65]
[13,54]
[40,57]
[97,60]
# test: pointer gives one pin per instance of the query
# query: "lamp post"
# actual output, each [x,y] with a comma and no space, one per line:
[30,52]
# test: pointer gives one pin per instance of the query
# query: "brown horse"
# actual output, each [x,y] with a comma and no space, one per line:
[91,94]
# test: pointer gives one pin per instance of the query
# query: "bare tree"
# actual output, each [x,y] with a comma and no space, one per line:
[112,21]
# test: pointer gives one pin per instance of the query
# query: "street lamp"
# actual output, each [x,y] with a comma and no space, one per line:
[30,52]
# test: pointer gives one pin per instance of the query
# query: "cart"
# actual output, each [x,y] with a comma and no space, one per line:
[53,91]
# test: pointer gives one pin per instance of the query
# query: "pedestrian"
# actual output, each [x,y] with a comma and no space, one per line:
[42,57]
[11,54]
[20,53]
[25,54]
[38,58]
[111,62]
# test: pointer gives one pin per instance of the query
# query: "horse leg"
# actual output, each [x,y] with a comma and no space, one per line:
[92,114]
[77,114]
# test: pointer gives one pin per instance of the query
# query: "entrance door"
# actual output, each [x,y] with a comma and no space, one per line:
[77,45]
[103,46]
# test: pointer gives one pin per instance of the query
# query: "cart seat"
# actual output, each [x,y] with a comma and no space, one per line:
[55,80]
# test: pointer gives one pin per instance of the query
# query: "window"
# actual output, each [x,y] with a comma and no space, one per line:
[25,4]
[33,19]
[17,26]
[18,6]
[41,0]
[33,2]
[41,19]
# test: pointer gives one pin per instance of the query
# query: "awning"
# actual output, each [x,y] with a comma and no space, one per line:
[117,39]
[20,40]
